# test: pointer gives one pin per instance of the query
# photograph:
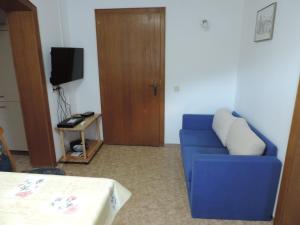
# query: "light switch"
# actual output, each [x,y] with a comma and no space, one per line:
[176,89]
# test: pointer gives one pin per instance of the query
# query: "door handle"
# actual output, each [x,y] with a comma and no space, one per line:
[2,96]
[155,87]
[2,107]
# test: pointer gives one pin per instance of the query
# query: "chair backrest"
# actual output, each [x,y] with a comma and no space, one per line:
[6,150]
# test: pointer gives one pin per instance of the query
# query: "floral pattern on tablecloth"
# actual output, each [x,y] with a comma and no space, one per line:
[29,186]
[66,205]
[58,200]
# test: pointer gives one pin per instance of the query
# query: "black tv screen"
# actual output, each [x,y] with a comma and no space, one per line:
[67,65]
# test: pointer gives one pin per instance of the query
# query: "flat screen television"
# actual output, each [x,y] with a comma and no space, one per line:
[67,65]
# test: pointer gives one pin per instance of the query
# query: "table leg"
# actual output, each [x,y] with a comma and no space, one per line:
[62,144]
[98,129]
[83,144]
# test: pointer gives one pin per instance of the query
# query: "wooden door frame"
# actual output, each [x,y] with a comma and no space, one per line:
[162,82]
[162,63]
[42,155]
[292,149]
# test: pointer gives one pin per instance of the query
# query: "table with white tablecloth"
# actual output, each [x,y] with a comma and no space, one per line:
[31,199]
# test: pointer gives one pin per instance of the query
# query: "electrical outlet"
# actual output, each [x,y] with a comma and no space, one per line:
[176,89]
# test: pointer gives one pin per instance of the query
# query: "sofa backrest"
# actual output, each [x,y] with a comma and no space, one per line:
[271,149]
[197,122]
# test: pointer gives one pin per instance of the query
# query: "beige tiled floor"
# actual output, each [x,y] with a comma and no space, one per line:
[155,178]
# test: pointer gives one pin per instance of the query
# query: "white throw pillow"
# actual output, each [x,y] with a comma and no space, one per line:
[242,140]
[222,123]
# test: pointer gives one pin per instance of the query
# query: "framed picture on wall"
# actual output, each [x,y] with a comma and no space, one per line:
[265,21]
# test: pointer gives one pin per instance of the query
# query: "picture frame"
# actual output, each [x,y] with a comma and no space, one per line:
[265,23]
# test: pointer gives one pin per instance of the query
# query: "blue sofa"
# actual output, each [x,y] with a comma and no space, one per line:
[223,186]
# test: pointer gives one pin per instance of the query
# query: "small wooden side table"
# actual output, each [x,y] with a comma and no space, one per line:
[93,145]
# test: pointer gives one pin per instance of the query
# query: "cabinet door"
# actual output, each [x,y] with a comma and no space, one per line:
[11,120]
[2,80]
[3,116]
[8,83]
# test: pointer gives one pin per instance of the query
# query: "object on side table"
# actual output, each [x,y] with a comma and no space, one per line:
[77,146]
[70,122]
[88,114]
[77,116]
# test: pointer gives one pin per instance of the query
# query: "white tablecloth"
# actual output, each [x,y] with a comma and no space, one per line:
[28,199]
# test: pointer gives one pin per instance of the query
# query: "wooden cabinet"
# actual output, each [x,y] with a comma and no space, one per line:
[8,83]
[12,122]
[11,118]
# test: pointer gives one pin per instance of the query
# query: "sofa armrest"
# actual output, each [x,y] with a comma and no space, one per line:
[234,187]
[197,122]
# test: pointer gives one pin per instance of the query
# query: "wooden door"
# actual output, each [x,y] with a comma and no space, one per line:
[131,48]
[289,198]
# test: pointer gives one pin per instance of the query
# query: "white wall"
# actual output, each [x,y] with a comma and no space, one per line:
[269,72]
[52,36]
[202,63]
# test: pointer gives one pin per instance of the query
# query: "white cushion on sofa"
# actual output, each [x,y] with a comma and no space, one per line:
[242,140]
[222,122]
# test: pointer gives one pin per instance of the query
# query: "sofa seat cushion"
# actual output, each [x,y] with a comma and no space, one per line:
[189,152]
[203,138]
